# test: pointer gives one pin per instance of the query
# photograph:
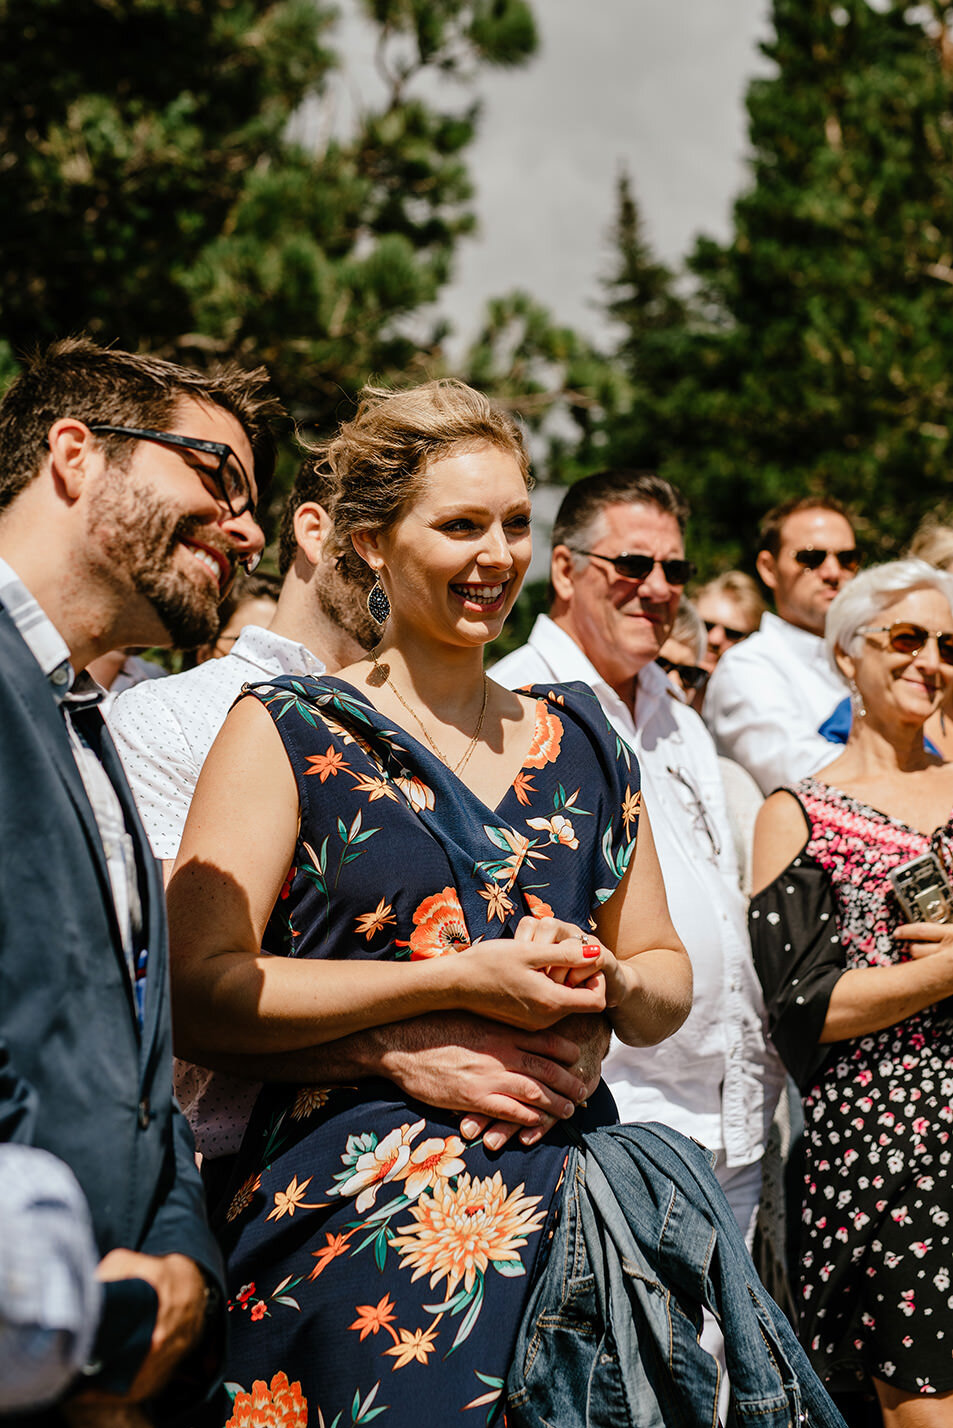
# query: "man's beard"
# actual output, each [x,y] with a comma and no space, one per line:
[138,537]
[345,602]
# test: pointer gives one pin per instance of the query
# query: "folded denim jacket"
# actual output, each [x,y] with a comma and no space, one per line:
[646,1240]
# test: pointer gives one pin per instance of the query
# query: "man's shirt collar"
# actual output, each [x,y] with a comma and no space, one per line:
[273,654]
[45,642]
[561,652]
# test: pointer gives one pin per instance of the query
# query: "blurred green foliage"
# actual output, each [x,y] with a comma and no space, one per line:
[152,193]
[812,352]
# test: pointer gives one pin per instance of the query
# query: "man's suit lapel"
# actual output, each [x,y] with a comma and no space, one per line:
[22,673]
[151,892]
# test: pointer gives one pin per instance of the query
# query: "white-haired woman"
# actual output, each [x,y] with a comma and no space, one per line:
[856,993]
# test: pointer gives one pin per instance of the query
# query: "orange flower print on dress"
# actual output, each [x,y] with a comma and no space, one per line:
[308,1100]
[440,926]
[414,1347]
[325,765]
[336,1245]
[631,805]
[432,1160]
[374,787]
[547,738]
[287,1201]
[370,923]
[275,1405]
[243,1196]
[458,1233]
[523,787]
[373,1317]
[537,907]
[498,905]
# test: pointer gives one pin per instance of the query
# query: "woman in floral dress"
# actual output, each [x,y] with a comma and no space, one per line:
[405,838]
[856,995]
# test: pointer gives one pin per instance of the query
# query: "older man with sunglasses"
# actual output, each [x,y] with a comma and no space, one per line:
[617,574]
[768,696]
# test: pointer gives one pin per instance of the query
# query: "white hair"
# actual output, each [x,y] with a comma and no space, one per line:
[862,599]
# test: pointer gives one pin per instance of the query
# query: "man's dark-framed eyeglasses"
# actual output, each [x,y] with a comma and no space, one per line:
[733,635]
[691,675]
[229,476]
[908,639]
[640,567]
[813,559]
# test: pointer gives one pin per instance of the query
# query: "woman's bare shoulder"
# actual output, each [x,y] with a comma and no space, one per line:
[780,833]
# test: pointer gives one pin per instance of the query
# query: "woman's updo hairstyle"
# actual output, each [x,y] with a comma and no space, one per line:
[378,461]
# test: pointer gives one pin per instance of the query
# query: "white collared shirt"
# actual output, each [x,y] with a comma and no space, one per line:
[164,728]
[767,699]
[71,694]
[717,1078]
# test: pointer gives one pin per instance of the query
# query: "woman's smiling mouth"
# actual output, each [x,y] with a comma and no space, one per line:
[485,596]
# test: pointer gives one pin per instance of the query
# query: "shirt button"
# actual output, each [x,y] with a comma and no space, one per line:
[144,1113]
[60,676]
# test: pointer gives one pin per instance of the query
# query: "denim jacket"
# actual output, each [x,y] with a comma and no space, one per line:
[646,1240]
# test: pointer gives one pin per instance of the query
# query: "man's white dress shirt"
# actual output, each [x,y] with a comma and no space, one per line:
[717,1078]
[163,730]
[767,699]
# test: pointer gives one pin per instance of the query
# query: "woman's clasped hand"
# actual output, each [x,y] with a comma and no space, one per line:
[414,845]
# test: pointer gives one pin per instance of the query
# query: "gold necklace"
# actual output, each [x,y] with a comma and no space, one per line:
[454,768]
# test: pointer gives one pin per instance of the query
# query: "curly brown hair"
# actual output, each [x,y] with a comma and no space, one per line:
[378,461]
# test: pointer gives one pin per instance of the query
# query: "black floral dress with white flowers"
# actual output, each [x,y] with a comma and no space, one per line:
[875,1294]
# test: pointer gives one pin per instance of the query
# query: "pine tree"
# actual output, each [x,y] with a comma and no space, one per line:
[150,192]
[814,351]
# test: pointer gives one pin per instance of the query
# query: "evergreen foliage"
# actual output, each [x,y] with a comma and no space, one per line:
[152,194]
[812,354]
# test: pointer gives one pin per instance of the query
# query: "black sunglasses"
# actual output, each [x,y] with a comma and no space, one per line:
[229,476]
[909,639]
[733,635]
[691,675]
[639,567]
[812,559]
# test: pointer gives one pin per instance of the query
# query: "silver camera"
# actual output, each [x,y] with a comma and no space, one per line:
[923,890]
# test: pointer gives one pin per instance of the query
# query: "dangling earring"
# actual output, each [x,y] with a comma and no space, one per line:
[378,605]
[856,701]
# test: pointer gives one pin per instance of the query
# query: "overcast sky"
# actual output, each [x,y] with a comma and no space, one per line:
[654,85]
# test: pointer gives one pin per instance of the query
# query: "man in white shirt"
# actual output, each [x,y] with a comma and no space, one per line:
[769,695]
[164,730]
[618,569]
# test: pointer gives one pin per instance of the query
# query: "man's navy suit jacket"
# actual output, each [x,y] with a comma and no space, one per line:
[86,1084]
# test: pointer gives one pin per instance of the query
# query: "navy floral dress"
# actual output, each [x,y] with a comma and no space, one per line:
[378,1263]
[876,1250]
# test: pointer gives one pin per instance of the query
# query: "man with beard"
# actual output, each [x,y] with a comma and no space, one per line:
[127,495]
[164,730]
